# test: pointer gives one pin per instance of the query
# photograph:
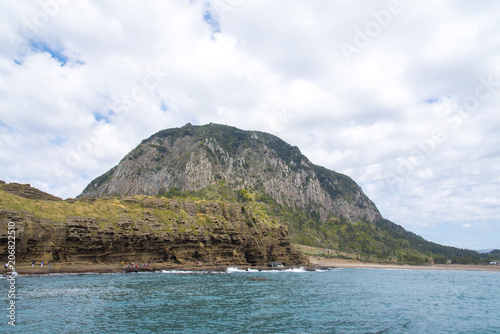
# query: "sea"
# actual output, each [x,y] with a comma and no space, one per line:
[242,301]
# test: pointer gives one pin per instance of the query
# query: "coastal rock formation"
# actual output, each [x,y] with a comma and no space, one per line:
[222,196]
[27,191]
[195,157]
[147,229]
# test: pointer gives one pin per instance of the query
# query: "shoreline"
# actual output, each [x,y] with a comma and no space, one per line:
[315,264]
[93,268]
[342,263]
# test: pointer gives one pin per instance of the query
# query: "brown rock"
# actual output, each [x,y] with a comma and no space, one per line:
[26,191]
[226,240]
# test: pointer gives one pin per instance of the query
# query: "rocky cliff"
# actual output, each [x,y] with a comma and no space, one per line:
[142,229]
[27,191]
[195,157]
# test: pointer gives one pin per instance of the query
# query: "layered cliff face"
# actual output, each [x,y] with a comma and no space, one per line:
[142,229]
[27,191]
[195,157]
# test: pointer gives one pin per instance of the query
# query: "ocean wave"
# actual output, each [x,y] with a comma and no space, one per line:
[296,270]
[232,270]
[239,270]
[328,269]
[177,271]
[174,271]
[290,270]
[278,270]
[235,270]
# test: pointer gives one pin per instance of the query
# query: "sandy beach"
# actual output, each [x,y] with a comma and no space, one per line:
[320,261]
[341,263]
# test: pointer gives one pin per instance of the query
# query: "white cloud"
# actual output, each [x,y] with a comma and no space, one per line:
[412,116]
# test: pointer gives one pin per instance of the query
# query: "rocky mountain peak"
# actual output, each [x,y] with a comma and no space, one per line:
[196,157]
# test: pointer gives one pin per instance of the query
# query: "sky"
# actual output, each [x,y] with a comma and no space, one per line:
[400,95]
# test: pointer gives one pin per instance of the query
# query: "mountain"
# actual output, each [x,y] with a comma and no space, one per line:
[485,250]
[495,252]
[194,157]
[268,176]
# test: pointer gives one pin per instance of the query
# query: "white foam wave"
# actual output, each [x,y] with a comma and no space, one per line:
[327,269]
[178,272]
[238,270]
[296,270]
[290,270]
[231,270]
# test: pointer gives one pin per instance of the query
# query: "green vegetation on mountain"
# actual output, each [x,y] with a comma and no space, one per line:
[382,241]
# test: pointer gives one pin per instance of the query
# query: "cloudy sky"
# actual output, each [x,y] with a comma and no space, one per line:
[399,95]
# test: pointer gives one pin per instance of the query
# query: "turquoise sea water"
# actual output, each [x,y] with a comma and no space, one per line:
[335,301]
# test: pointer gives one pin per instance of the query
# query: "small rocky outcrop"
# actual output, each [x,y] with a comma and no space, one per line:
[27,191]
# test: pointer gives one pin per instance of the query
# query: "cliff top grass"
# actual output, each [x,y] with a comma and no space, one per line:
[58,211]
[111,208]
